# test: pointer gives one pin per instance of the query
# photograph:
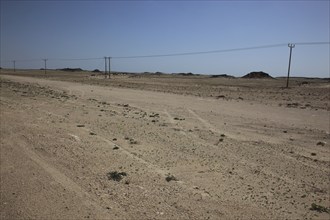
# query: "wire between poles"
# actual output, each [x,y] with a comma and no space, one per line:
[312,43]
[174,54]
[75,59]
[202,52]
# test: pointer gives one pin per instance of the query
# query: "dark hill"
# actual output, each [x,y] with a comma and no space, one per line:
[222,76]
[257,75]
[71,69]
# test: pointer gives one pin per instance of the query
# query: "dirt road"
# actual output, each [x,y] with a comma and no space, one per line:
[71,150]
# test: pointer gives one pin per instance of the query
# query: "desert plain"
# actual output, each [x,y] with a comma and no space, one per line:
[75,145]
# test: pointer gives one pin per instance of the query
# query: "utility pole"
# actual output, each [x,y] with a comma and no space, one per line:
[109,67]
[287,80]
[14,62]
[45,60]
[105,67]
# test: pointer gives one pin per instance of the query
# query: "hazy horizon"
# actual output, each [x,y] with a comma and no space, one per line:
[156,72]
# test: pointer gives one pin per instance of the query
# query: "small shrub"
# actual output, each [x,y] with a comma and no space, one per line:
[320,143]
[319,208]
[116,176]
[170,178]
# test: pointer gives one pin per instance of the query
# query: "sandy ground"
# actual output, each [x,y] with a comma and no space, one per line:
[183,148]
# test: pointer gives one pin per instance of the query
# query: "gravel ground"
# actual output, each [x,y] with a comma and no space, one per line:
[76,146]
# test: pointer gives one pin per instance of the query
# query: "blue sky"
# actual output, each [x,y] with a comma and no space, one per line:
[33,30]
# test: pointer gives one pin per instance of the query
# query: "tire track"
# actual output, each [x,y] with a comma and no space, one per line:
[171,120]
[204,122]
[151,166]
[255,165]
[65,181]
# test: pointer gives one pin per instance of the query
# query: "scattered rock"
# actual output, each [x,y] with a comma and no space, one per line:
[92,133]
[313,154]
[132,141]
[320,143]
[115,148]
[292,105]
[154,115]
[80,126]
[303,83]
[219,141]
[220,97]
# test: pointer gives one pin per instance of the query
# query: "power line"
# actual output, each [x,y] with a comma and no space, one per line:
[287,79]
[109,66]
[45,60]
[312,43]
[105,67]
[175,54]
[25,60]
[220,51]
[54,59]
[202,52]
[14,62]
[75,59]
